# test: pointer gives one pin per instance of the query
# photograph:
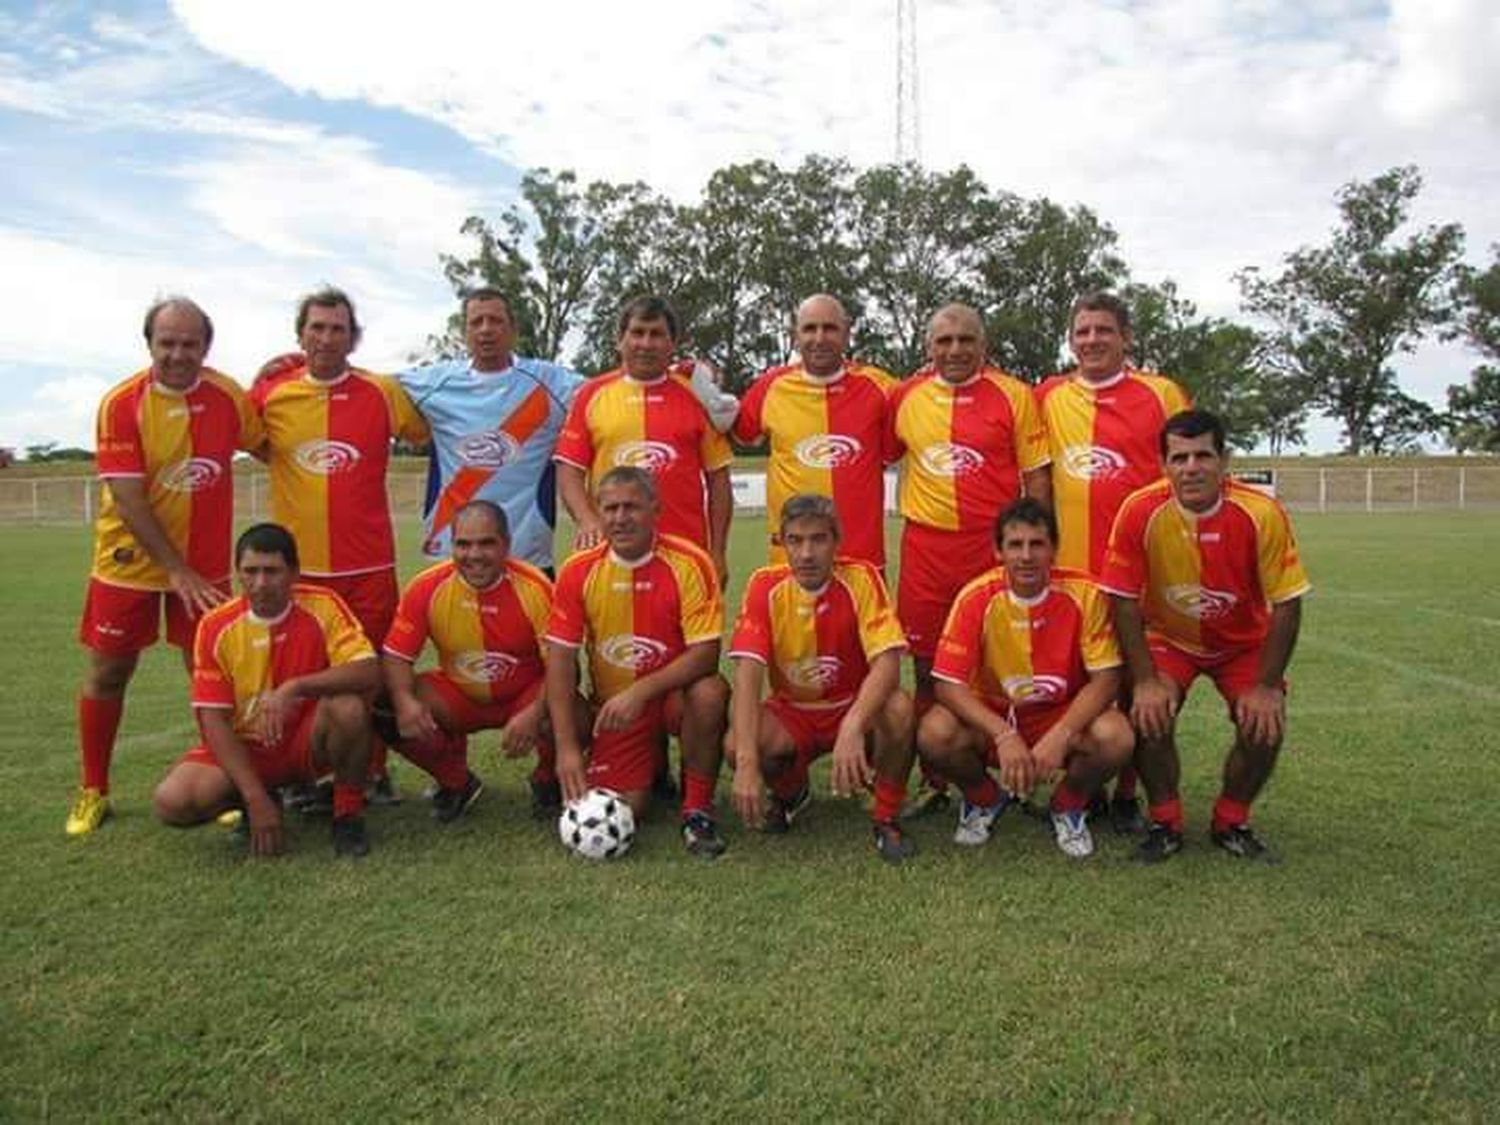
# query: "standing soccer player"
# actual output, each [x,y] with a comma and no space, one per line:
[1206,580]
[823,627]
[647,607]
[1027,674]
[1103,420]
[166,437]
[825,416]
[970,442]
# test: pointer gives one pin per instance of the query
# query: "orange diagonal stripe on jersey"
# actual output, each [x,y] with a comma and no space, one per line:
[524,421]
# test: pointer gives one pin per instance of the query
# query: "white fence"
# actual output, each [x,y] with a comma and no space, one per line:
[1328,489]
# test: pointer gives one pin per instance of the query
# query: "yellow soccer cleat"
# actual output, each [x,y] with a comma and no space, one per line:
[90,810]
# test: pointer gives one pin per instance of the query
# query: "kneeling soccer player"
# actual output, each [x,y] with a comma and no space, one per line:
[1206,581]
[824,627]
[278,680]
[1027,672]
[647,607]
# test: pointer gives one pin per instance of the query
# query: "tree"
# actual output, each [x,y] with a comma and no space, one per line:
[1473,420]
[1340,313]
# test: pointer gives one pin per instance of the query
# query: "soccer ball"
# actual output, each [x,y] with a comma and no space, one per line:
[599,825]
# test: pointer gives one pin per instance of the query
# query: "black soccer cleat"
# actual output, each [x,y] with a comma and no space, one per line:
[1161,844]
[1125,816]
[450,804]
[1242,843]
[546,799]
[781,812]
[350,840]
[700,835]
[891,844]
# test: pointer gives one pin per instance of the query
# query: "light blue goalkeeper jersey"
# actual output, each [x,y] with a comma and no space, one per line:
[493,434]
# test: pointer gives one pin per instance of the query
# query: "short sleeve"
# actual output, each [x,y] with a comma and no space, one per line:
[1124,571]
[1101,648]
[879,630]
[749,425]
[699,602]
[212,685]
[568,620]
[411,625]
[959,647]
[118,437]
[1031,435]
[752,635]
[1282,577]
[575,444]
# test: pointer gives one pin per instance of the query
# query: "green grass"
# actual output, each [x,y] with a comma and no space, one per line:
[477,971]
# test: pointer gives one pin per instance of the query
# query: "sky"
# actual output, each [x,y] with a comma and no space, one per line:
[245,153]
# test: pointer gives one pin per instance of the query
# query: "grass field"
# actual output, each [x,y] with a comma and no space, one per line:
[478,972]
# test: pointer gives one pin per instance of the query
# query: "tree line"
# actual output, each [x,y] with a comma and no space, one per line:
[896,241]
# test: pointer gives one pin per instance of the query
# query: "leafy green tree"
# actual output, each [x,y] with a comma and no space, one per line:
[1473,419]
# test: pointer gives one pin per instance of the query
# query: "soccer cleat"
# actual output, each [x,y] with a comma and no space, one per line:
[90,810]
[231,819]
[976,822]
[546,799]
[891,844]
[1125,816]
[382,791]
[781,811]
[1161,843]
[450,804]
[310,799]
[928,799]
[349,837]
[700,835]
[1241,842]
[1073,836]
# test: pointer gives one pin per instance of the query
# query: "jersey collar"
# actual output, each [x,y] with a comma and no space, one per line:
[634,564]
[177,392]
[270,621]
[335,381]
[1031,602]
[824,380]
[1104,384]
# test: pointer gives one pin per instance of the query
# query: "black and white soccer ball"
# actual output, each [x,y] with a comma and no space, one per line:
[599,825]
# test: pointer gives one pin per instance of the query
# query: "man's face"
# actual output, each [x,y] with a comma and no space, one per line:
[327,338]
[479,550]
[1195,470]
[646,348]
[489,334]
[266,580]
[1098,344]
[178,344]
[1026,551]
[955,345]
[629,517]
[822,336]
[810,546]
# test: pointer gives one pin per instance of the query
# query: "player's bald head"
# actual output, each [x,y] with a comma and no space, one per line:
[180,305]
[822,306]
[484,514]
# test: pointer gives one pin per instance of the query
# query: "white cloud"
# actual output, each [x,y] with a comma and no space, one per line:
[1446,51]
[60,410]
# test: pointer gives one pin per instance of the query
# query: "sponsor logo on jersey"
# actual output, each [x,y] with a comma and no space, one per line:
[636,654]
[191,475]
[484,667]
[950,459]
[1023,690]
[489,449]
[326,458]
[1200,601]
[817,672]
[827,451]
[1093,462]
[653,456]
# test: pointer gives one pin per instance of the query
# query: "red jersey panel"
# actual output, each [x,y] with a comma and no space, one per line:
[328,445]
[818,646]
[180,444]
[1018,652]
[963,448]
[1206,582]
[639,616]
[488,641]
[239,658]
[827,438]
[1103,441]
[657,426]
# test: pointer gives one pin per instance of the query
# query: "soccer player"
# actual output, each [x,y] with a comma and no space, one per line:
[969,441]
[644,414]
[823,627]
[1206,580]
[166,437]
[825,416]
[485,613]
[279,679]
[1027,675]
[647,607]
[1103,420]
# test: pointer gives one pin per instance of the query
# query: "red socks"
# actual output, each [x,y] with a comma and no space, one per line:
[697,791]
[98,722]
[1229,813]
[791,780]
[985,792]
[889,794]
[1125,785]
[444,756]
[1066,799]
[348,800]
[1168,812]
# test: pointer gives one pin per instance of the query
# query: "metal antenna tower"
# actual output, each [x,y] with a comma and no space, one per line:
[908,114]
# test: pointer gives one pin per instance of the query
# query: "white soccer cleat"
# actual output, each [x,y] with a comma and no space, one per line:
[976,822]
[1073,836]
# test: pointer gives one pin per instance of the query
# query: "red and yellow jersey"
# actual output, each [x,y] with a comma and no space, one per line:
[1103,441]
[827,438]
[238,658]
[488,641]
[818,646]
[1206,581]
[328,446]
[1026,652]
[180,445]
[657,426]
[963,448]
[636,617]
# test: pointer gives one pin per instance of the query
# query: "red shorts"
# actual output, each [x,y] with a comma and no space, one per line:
[813,730]
[935,566]
[1035,721]
[288,761]
[371,597]
[469,715]
[119,620]
[1233,673]
[627,760]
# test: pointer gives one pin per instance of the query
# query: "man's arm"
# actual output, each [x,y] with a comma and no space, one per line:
[1260,713]
[1016,768]
[1037,484]
[690,666]
[1154,698]
[744,733]
[357,677]
[573,488]
[198,593]
[413,717]
[851,769]
[720,512]
[234,758]
[1092,700]
[561,684]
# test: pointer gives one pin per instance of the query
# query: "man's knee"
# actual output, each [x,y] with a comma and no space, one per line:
[342,715]
[707,700]
[1113,738]
[896,715]
[939,734]
[108,674]
[177,800]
